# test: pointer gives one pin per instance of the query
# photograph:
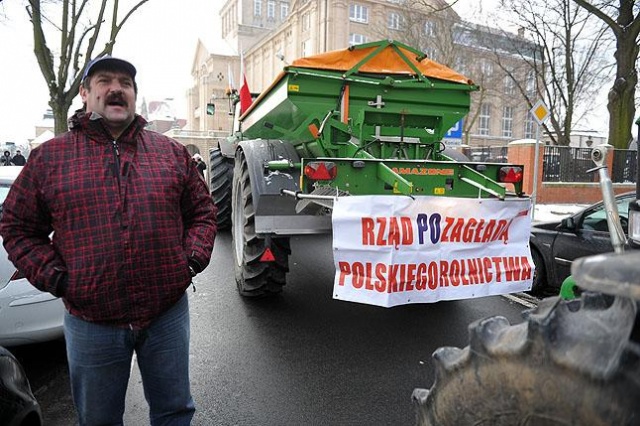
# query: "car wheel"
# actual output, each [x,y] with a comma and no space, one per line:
[539,275]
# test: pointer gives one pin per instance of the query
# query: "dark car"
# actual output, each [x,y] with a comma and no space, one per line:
[555,245]
[18,406]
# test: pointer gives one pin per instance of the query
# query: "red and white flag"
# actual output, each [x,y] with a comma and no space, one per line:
[245,93]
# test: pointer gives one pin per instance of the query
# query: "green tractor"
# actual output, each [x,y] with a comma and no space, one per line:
[367,120]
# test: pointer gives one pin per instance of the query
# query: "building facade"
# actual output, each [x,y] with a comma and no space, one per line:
[269,34]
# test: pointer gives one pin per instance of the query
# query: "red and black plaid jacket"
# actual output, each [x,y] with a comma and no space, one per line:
[128,216]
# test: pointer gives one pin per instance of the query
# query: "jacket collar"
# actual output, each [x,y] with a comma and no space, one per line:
[93,125]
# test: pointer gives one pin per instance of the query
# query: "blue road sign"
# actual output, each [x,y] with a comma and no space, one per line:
[454,135]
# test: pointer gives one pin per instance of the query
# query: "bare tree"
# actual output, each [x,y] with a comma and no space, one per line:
[623,20]
[434,28]
[78,33]
[570,66]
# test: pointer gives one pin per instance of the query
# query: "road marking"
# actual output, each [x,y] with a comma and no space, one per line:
[521,298]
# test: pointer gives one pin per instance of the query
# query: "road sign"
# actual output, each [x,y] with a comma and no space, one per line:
[540,112]
[454,136]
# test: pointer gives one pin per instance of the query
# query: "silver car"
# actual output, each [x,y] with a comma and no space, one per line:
[27,315]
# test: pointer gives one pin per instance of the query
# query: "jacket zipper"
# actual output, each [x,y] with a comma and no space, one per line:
[116,164]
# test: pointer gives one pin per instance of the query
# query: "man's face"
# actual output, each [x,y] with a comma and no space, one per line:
[112,95]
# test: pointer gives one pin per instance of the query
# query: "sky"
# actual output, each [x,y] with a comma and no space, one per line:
[159,39]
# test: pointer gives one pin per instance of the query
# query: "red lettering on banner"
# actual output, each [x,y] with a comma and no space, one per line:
[469,230]
[393,283]
[497,262]
[503,234]
[487,275]
[527,271]
[345,269]
[394,233]
[421,280]
[368,285]
[456,232]
[358,273]
[477,238]
[367,231]
[454,273]
[460,230]
[391,231]
[411,275]
[488,231]
[444,273]
[381,284]
[474,266]
[382,226]
[433,275]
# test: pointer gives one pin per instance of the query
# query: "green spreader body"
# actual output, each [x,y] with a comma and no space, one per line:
[377,113]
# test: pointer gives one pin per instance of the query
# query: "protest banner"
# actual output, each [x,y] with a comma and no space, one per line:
[391,250]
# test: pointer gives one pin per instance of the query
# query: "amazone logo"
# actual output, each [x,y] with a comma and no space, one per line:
[422,171]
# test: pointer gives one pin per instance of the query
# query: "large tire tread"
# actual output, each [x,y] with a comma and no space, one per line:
[569,363]
[221,178]
[253,277]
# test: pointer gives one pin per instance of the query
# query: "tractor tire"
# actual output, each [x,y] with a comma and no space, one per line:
[221,178]
[254,277]
[569,363]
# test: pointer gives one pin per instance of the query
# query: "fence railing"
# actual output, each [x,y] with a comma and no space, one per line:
[568,164]
[565,163]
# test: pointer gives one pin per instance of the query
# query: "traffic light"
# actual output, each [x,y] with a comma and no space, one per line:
[211,109]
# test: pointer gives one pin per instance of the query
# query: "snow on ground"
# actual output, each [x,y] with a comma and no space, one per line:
[553,212]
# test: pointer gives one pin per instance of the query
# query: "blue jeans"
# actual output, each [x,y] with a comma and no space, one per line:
[100,363]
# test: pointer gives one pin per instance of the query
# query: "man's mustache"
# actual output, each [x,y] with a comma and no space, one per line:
[116,98]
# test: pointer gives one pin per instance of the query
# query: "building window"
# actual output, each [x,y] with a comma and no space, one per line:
[306,21]
[483,119]
[430,29]
[529,129]
[531,84]
[356,39]
[507,122]
[257,7]
[395,21]
[271,9]
[359,13]
[306,48]
[486,68]
[284,11]
[509,85]
[432,53]
[461,65]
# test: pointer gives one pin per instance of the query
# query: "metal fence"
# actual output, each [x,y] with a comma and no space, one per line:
[568,164]
[565,163]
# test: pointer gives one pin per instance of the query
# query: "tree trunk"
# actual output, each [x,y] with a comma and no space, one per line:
[60,111]
[621,104]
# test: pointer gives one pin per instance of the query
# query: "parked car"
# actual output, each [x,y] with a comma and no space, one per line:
[18,406]
[27,315]
[555,245]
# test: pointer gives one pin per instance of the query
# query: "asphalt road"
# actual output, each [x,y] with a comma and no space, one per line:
[301,358]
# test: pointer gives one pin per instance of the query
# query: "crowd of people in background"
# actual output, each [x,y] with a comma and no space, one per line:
[17,160]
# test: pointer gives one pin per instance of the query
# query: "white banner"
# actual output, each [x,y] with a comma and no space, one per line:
[395,250]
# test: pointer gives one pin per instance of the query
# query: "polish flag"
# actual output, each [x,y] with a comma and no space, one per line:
[245,93]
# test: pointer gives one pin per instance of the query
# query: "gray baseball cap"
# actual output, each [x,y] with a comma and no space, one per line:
[109,62]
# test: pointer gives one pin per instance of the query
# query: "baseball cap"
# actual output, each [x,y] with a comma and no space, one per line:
[106,62]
